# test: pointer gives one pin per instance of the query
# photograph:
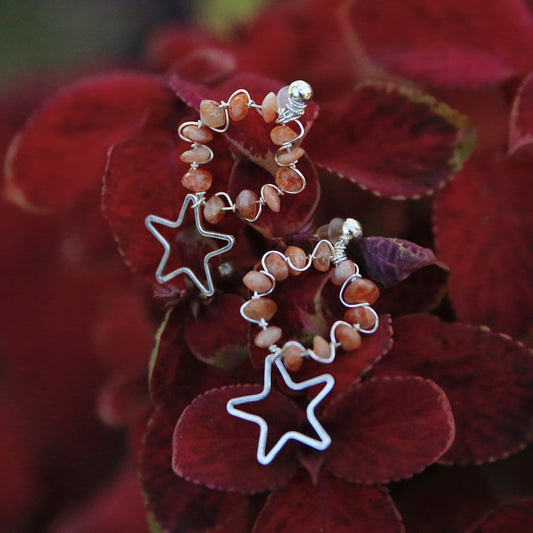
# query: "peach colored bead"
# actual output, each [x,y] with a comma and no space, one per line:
[269,107]
[199,154]
[213,212]
[257,281]
[322,258]
[259,308]
[271,197]
[282,134]
[288,180]
[360,291]
[297,257]
[197,134]
[321,347]
[360,315]
[246,203]
[211,114]
[287,158]
[197,180]
[238,107]
[292,358]
[268,337]
[277,267]
[348,337]
[342,272]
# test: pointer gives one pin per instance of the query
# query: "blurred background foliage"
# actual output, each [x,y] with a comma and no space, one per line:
[37,36]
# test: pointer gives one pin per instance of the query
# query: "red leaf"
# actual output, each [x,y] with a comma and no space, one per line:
[483,228]
[219,450]
[457,44]
[387,429]
[225,345]
[513,516]
[521,126]
[330,505]
[487,377]
[173,503]
[393,140]
[60,155]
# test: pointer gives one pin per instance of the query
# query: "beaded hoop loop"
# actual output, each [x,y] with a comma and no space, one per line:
[356,293]
[287,107]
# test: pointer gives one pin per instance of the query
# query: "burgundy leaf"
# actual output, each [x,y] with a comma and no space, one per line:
[457,44]
[387,429]
[483,227]
[521,126]
[393,140]
[173,503]
[225,345]
[389,261]
[487,377]
[60,155]
[330,505]
[219,450]
[513,516]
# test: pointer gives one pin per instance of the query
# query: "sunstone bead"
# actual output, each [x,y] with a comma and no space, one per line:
[268,337]
[277,266]
[286,158]
[213,212]
[292,358]
[297,257]
[260,308]
[238,107]
[349,338]
[322,257]
[282,134]
[257,281]
[246,203]
[342,272]
[197,180]
[211,114]
[288,180]
[360,291]
[269,107]
[360,315]
[198,154]
[271,198]
[321,347]
[197,134]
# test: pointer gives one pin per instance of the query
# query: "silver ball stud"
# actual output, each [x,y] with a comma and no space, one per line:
[300,91]
[352,228]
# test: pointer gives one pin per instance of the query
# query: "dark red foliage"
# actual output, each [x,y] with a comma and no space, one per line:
[521,126]
[513,516]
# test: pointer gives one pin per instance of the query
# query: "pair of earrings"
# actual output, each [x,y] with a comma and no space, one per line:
[356,293]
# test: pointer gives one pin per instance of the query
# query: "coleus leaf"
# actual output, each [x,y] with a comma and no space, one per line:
[395,141]
[390,260]
[60,155]
[173,503]
[512,516]
[387,429]
[521,125]
[483,231]
[219,450]
[329,505]
[487,377]
[446,44]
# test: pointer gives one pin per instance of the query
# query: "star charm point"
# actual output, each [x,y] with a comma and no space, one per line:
[208,289]
[320,443]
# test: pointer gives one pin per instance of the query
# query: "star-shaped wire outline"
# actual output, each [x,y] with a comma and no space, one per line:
[319,444]
[208,289]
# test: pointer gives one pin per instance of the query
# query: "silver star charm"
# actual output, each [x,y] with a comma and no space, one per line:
[323,441]
[193,199]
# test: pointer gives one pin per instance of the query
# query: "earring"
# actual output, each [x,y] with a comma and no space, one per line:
[285,107]
[356,293]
